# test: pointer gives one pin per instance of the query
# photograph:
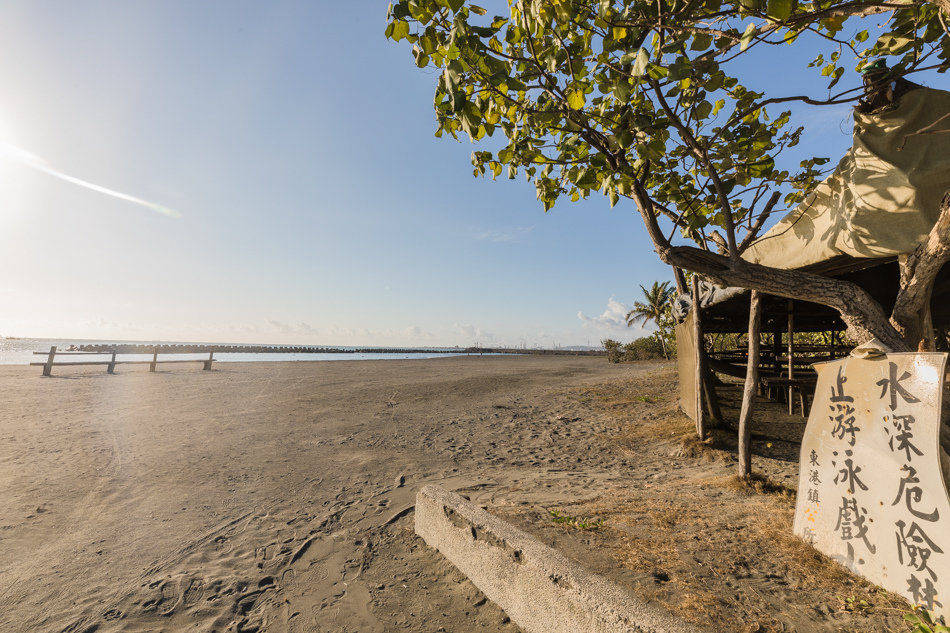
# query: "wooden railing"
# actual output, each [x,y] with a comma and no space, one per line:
[110,364]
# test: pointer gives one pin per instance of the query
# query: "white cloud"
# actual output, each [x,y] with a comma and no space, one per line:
[614,319]
[474,333]
[415,332]
[283,328]
[286,328]
[101,323]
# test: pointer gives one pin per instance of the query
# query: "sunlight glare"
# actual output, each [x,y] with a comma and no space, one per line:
[23,157]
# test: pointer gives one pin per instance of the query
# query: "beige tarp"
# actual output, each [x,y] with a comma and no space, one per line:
[686,362]
[882,199]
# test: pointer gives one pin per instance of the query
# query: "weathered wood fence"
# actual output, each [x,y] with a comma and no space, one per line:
[112,362]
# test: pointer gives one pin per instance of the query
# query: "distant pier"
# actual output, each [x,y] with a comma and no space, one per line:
[283,349]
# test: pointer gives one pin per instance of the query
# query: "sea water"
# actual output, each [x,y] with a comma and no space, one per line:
[19,351]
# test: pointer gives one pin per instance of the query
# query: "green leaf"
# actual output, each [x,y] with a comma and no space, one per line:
[397,30]
[703,110]
[833,24]
[640,66]
[428,44]
[701,41]
[614,198]
[762,168]
[477,9]
[575,99]
[622,90]
[747,36]
[781,10]
[625,139]
[421,58]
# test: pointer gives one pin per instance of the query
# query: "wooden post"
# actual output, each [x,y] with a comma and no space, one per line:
[710,398]
[791,356]
[776,346]
[48,367]
[751,383]
[699,384]
[208,362]
[680,278]
[151,367]
[111,368]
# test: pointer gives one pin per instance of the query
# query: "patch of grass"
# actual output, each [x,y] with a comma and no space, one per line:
[576,522]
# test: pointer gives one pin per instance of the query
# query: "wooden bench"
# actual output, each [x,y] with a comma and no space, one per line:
[50,363]
[791,384]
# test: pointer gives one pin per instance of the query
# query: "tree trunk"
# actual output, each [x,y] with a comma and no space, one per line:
[699,351]
[659,335]
[751,385]
[911,316]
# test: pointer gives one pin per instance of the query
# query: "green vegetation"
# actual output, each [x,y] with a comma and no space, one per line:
[643,348]
[656,308]
[924,622]
[581,524]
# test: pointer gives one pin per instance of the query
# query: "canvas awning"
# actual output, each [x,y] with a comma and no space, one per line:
[883,197]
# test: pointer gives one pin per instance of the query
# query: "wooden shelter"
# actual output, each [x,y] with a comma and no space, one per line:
[879,204]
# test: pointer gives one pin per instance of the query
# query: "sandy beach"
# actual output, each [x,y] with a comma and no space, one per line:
[278,497]
[271,496]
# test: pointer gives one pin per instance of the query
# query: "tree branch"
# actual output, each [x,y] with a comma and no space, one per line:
[759,222]
[918,273]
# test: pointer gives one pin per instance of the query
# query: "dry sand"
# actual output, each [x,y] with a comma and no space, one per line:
[278,496]
[269,496]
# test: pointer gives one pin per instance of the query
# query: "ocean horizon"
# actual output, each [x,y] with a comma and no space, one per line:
[20,351]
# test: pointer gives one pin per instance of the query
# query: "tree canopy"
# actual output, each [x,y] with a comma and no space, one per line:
[643,100]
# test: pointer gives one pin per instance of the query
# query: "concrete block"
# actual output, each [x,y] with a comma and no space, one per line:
[539,589]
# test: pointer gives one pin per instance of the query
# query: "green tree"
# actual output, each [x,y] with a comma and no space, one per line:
[643,101]
[659,301]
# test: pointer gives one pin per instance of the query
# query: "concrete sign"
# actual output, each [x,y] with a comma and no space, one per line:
[871,493]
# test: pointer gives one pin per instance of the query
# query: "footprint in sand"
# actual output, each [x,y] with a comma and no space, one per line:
[170,597]
[112,614]
[270,555]
[288,580]
[318,572]
[194,592]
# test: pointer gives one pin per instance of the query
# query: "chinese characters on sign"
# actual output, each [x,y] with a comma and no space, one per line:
[871,491]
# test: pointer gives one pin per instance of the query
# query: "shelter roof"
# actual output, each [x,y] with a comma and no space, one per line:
[881,201]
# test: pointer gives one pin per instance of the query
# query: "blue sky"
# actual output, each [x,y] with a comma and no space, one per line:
[315,205]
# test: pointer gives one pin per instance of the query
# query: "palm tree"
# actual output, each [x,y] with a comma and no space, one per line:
[659,299]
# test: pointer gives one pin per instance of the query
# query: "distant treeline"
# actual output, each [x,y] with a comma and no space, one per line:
[541,352]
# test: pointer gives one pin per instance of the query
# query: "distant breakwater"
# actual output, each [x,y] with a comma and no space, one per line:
[248,349]
[282,349]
